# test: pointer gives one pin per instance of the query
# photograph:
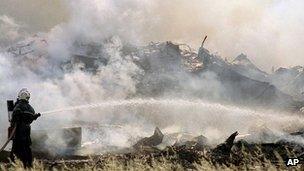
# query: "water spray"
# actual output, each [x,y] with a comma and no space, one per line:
[138,102]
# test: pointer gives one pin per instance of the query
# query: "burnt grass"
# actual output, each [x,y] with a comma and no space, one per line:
[242,154]
[194,154]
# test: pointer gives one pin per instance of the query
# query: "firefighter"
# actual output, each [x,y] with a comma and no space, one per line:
[23,115]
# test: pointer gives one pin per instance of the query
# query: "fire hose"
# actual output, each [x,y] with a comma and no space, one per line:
[9,139]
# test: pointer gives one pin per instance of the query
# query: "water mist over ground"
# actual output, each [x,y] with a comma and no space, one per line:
[118,122]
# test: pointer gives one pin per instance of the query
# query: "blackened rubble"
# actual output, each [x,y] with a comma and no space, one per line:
[222,152]
[154,140]
[166,65]
[230,152]
[169,68]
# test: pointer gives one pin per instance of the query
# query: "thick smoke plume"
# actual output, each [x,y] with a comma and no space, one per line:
[234,27]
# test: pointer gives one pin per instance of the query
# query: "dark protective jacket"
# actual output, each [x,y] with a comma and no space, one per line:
[23,116]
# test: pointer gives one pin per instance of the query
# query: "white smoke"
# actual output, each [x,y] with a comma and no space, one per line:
[114,23]
[233,27]
[10,31]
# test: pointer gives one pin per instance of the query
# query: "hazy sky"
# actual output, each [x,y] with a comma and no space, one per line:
[34,15]
[270,32]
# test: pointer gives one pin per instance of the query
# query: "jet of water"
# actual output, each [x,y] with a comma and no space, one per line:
[140,102]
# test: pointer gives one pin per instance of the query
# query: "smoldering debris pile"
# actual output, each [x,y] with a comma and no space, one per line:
[235,150]
[171,70]
[166,69]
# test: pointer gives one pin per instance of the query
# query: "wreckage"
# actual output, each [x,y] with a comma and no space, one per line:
[166,67]
[166,64]
[234,151]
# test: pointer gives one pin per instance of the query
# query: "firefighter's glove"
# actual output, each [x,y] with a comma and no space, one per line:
[37,115]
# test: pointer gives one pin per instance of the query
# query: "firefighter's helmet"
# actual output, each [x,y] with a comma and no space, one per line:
[24,94]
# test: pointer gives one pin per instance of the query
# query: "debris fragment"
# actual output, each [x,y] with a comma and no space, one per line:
[154,140]
[222,152]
